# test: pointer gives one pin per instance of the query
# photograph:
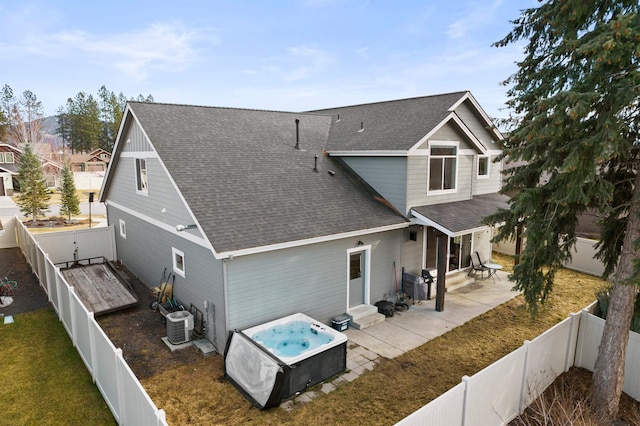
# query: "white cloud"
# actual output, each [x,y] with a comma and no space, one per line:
[160,46]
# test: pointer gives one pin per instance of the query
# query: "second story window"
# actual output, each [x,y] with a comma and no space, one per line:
[141,175]
[8,157]
[442,167]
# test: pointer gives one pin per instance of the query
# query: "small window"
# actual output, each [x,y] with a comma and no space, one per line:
[141,175]
[123,229]
[483,166]
[8,157]
[178,262]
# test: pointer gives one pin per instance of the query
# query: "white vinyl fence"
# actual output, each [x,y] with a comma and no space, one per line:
[500,392]
[80,244]
[582,259]
[119,387]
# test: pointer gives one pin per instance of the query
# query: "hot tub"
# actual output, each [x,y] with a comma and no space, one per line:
[275,360]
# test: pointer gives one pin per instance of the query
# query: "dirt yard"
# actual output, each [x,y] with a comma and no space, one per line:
[138,332]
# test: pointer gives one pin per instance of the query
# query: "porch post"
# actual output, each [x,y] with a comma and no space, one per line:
[442,270]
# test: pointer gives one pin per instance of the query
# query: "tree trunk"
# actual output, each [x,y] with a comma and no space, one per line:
[608,374]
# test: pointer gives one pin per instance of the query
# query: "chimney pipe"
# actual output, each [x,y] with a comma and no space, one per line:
[315,164]
[297,134]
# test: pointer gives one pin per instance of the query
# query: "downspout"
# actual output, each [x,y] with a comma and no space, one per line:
[225,287]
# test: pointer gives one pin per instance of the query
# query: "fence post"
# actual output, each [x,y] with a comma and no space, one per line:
[569,360]
[92,345]
[72,313]
[161,416]
[523,384]
[120,386]
[465,408]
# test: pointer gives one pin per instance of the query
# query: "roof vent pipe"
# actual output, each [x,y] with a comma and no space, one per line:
[315,164]
[338,118]
[361,127]
[297,134]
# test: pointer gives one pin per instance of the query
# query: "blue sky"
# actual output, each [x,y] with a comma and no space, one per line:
[290,55]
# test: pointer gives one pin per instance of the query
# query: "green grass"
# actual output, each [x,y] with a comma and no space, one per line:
[43,380]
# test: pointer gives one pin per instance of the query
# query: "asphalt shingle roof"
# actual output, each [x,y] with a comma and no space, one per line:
[245,182]
[463,215]
[388,126]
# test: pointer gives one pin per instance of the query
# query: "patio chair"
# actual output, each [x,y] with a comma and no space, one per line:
[480,262]
[475,267]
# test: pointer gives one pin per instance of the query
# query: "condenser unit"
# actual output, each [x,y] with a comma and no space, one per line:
[179,327]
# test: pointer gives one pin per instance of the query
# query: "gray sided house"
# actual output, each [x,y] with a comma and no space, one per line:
[262,214]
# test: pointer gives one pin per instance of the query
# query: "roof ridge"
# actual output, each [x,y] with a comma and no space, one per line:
[172,104]
[461,92]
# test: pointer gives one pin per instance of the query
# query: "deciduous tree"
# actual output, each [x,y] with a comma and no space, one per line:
[575,99]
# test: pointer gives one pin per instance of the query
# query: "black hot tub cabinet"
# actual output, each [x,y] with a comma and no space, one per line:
[266,378]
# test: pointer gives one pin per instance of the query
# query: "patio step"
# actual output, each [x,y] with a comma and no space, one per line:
[363,316]
[458,281]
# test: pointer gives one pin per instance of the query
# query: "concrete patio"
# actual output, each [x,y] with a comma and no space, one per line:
[421,323]
[408,330]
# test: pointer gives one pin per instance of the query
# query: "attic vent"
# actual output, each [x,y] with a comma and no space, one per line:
[361,127]
[297,134]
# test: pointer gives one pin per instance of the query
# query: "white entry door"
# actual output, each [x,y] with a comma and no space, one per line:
[358,276]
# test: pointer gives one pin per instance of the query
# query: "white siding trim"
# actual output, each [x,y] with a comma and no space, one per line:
[368,153]
[299,243]
[476,105]
[139,154]
[164,226]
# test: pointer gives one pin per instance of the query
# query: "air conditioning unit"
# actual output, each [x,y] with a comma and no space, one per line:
[179,327]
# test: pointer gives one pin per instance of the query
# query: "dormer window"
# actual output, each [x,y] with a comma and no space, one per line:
[483,166]
[443,159]
[8,157]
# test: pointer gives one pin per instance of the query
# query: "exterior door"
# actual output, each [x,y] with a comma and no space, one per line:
[358,277]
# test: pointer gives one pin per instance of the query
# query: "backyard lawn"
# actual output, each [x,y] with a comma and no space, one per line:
[44,381]
[198,394]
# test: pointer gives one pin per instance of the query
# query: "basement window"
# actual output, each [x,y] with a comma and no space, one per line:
[178,261]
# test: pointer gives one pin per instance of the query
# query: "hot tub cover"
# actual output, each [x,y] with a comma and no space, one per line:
[258,375]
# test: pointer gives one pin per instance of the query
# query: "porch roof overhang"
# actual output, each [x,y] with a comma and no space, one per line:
[460,217]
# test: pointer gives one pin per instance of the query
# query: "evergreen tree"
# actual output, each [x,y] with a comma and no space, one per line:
[69,202]
[575,97]
[34,197]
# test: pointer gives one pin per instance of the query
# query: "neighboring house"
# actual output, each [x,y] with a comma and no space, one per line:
[261,214]
[95,161]
[10,168]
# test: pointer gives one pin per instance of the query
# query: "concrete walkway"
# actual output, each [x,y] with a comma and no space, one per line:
[421,323]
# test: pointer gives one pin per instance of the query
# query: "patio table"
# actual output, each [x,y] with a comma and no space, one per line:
[493,268]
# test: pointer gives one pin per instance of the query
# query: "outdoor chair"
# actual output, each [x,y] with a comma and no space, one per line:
[475,267]
[480,262]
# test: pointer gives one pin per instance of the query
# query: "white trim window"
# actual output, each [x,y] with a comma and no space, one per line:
[443,167]
[142,183]
[178,261]
[9,158]
[483,166]
[123,229]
